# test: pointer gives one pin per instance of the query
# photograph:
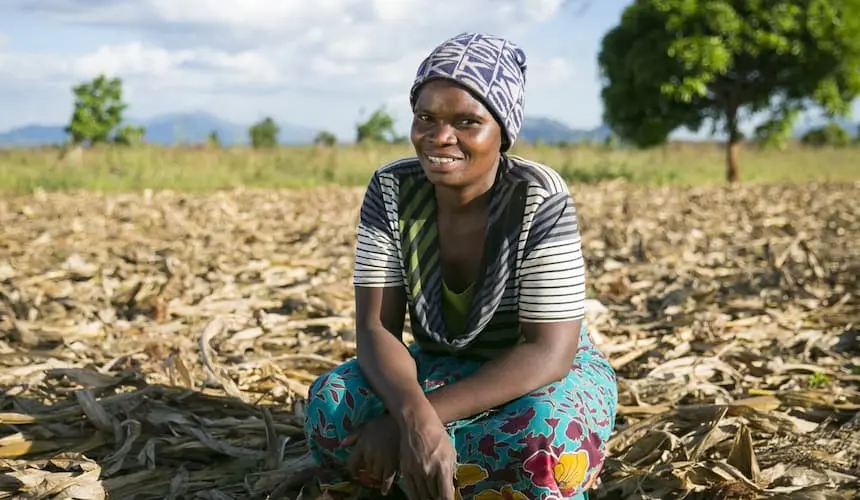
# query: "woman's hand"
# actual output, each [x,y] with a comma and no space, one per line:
[374,458]
[427,459]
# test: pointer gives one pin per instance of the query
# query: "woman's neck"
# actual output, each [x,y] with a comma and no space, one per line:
[468,199]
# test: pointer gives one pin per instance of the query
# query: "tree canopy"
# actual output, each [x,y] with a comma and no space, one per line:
[681,63]
[379,127]
[264,134]
[97,114]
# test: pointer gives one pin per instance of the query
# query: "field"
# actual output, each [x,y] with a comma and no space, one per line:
[204,169]
[158,343]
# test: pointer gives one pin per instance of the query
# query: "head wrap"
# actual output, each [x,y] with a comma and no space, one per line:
[493,68]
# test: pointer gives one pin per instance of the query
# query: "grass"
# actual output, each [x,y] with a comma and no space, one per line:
[205,169]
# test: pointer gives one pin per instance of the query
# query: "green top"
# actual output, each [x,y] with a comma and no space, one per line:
[455,307]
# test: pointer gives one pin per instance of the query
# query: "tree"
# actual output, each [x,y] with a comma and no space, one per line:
[264,134]
[129,135]
[97,112]
[325,138]
[830,135]
[378,128]
[683,63]
[213,140]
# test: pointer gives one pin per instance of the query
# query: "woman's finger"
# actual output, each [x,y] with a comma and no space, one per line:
[445,484]
[409,487]
[431,485]
[375,466]
[426,486]
[388,474]
[355,462]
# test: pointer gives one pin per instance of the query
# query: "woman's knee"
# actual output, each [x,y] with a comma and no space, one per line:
[562,431]
[538,451]
[338,402]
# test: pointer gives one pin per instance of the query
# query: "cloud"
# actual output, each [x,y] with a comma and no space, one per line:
[209,69]
[323,44]
[543,74]
[254,57]
[138,62]
[233,24]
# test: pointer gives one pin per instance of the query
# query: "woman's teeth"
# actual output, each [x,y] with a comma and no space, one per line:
[440,159]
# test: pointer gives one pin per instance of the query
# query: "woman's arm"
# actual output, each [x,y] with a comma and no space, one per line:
[545,357]
[551,308]
[381,354]
[380,311]
[425,452]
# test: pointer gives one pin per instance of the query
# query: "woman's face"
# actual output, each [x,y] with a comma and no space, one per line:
[455,136]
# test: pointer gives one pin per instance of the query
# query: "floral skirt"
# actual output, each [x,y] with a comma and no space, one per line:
[549,444]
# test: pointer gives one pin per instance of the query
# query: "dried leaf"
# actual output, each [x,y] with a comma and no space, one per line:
[742,456]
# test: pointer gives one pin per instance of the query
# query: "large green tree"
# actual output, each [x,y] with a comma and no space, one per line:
[675,63]
[98,110]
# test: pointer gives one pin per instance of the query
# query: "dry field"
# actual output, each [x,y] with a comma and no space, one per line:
[160,345]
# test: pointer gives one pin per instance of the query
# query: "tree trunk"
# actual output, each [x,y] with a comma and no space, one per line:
[733,145]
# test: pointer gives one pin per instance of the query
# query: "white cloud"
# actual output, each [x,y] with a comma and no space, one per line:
[205,68]
[335,44]
[285,19]
[206,53]
[535,10]
[201,68]
[293,23]
[549,73]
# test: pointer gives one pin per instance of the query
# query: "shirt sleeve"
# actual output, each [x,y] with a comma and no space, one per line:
[552,273]
[377,261]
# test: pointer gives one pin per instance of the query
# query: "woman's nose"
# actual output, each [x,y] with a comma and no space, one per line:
[443,133]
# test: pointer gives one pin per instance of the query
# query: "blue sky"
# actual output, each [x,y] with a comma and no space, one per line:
[317,63]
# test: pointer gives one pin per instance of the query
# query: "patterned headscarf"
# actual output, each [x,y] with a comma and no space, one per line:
[492,67]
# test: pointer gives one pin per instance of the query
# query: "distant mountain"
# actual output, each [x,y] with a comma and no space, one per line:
[33,135]
[554,131]
[194,128]
[167,129]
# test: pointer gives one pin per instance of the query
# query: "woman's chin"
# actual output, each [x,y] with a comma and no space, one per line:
[443,173]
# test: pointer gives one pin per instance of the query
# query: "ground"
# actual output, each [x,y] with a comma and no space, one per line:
[160,345]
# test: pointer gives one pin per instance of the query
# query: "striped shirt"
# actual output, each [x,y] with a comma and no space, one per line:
[532,268]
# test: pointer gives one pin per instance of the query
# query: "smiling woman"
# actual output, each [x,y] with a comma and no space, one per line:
[464,153]
[503,394]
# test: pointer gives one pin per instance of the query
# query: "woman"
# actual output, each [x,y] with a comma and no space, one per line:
[503,394]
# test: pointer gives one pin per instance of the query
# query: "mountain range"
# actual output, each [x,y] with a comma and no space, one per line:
[166,129]
[194,128]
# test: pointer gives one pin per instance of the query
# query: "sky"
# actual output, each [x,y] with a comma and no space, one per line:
[324,64]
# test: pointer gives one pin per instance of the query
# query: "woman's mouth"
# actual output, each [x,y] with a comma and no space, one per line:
[442,163]
[440,159]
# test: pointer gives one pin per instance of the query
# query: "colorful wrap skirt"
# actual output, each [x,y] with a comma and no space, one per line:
[548,444]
